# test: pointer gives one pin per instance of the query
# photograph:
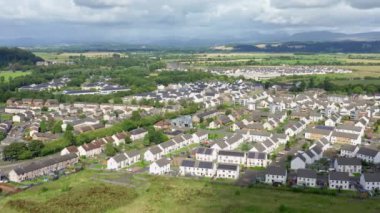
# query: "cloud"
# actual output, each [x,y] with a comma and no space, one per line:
[283,4]
[101,4]
[145,20]
[364,4]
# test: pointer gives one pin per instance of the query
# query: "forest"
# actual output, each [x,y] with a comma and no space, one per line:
[19,56]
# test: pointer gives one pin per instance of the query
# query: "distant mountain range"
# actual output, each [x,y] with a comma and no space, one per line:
[199,43]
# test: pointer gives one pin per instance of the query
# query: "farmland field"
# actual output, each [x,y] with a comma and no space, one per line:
[91,191]
[10,74]
[65,56]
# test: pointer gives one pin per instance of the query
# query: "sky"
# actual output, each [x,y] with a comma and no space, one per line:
[142,21]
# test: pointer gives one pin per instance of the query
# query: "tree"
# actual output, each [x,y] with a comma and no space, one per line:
[156,137]
[357,90]
[136,116]
[110,150]
[27,154]
[69,127]
[2,136]
[128,140]
[43,126]
[57,127]
[69,137]
[13,151]
[35,148]
[371,89]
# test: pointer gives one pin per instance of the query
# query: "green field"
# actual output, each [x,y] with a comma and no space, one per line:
[10,74]
[66,56]
[87,192]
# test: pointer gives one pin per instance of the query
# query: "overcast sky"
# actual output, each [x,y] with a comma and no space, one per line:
[141,20]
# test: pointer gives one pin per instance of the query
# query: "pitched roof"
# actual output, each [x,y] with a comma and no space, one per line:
[222,166]
[306,173]
[367,151]
[348,161]
[162,162]
[44,163]
[256,155]
[348,147]
[231,153]
[342,176]
[371,177]
[274,170]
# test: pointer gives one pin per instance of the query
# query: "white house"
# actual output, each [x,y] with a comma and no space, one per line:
[274,174]
[306,177]
[138,134]
[368,155]
[231,157]
[370,181]
[117,162]
[339,180]
[197,168]
[69,150]
[298,162]
[348,150]
[160,167]
[229,171]
[349,165]
[205,154]
[200,137]
[345,138]
[90,149]
[152,154]
[257,159]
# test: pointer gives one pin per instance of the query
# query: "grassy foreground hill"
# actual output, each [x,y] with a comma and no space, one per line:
[96,191]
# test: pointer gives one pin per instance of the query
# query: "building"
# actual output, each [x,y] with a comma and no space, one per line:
[69,150]
[231,157]
[122,160]
[152,154]
[317,133]
[368,155]
[345,138]
[349,165]
[339,180]
[306,177]
[200,136]
[138,134]
[229,171]
[190,167]
[160,167]
[257,159]
[275,175]
[298,162]
[205,154]
[44,167]
[90,149]
[370,181]
[348,150]
[182,122]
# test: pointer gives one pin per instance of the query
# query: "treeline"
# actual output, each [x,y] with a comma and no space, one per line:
[330,85]
[17,56]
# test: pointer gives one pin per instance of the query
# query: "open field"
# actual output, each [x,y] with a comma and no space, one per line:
[88,192]
[65,56]
[10,74]
[362,71]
